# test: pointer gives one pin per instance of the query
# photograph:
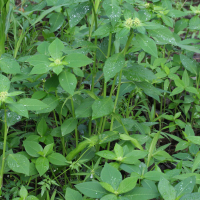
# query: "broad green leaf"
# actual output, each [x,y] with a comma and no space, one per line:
[4,83]
[141,193]
[19,109]
[9,66]
[31,197]
[192,196]
[163,35]
[77,60]
[186,186]
[150,185]
[43,48]
[42,165]
[108,187]
[186,78]
[91,189]
[189,131]
[23,192]
[127,184]
[111,175]
[118,151]
[78,12]
[18,163]
[48,149]
[133,140]
[167,20]
[68,81]
[194,23]
[113,65]
[166,190]
[32,148]
[149,90]
[68,126]
[33,104]
[189,47]
[106,154]
[57,159]
[56,20]
[110,197]
[55,49]
[108,136]
[189,64]
[113,11]
[147,44]
[72,194]
[138,73]
[196,163]
[52,102]
[180,25]
[42,127]
[102,107]
[103,30]
[133,156]
[177,90]
[85,109]
[39,59]
[194,139]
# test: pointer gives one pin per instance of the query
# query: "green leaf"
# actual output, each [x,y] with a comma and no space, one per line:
[186,79]
[84,109]
[111,175]
[180,25]
[108,187]
[78,12]
[19,109]
[23,192]
[147,44]
[56,20]
[167,191]
[18,163]
[42,165]
[4,83]
[9,66]
[43,48]
[32,148]
[189,64]
[127,184]
[168,21]
[102,107]
[33,104]
[42,127]
[72,194]
[118,150]
[48,149]
[133,140]
[77,60]
[141,193]
[103,30]
[194,196]
[55,49]
[135,72]
[196,163]
[163,35]
[106,154]
[113,65]
[31,197]
[52,102]
[177,90]
[133,156]
[91,189]
[68,126]
[149,90]
[186,186]
[189,48]
[113,11]
[57,159]
[68,81]
[109,197]
[108,136]
[194,139]
[189,131]
[194,23]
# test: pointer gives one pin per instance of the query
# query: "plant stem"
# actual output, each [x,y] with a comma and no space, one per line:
[4,146]
[73,113]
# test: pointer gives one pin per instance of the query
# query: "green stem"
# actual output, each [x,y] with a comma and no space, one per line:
[4,147]
[73,113]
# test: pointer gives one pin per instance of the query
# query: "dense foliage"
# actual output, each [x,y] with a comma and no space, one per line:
[99,99]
